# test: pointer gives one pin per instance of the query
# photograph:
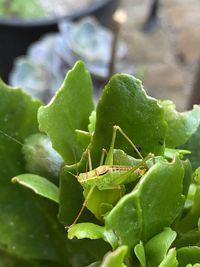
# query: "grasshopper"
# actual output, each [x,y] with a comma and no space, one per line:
[106,182]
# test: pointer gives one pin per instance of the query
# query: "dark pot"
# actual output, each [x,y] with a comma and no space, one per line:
[16,35]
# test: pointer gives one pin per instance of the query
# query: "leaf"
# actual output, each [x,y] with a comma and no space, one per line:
[92,231]
[115,258]
[190,220]
[40,236]
[95,264]
[121,158]
[187,177]
[83,138]
[92,119]
[140,253]
[188,255]
[28,225]
[193,145]
[71,196]
[8,260]
[181,126]
[125,103]
[39,185]
[190,238]
[69,110]
[195,265]
[18,119]
[156,248]
[41,158]
[137,216]
[170,260]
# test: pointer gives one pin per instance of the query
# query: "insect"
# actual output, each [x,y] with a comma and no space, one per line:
[104,185]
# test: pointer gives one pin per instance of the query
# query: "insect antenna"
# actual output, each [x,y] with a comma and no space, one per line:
[32,148]
[11,138]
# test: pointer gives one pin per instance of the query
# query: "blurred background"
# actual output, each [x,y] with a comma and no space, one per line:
[156,40]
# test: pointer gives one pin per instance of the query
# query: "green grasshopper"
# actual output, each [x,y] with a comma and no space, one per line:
[104,185]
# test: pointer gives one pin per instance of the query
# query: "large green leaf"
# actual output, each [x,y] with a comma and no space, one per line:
[125,103]
[18,119]
[28,225]
[181,126]
[69,110]
[152,205]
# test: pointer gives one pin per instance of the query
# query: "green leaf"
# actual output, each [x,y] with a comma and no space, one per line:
[181,126]
[187,177]
[190,220]
[12,261]
[197,176]
[170,153]
[18,119]
[95,264]
[92,231]
[83,138]
[115,258]
[39,235]
[28,224]
[41,158]
[69,110]
[140,253]
[193,145]
[156,248]
[137,216]
[121,158]
[125,103]
[8,260]
[190,238]
[71,196]
[92,119]
[170,260]
[39,185]
[188,255]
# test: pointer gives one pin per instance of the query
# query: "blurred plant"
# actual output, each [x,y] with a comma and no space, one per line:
[42,71]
